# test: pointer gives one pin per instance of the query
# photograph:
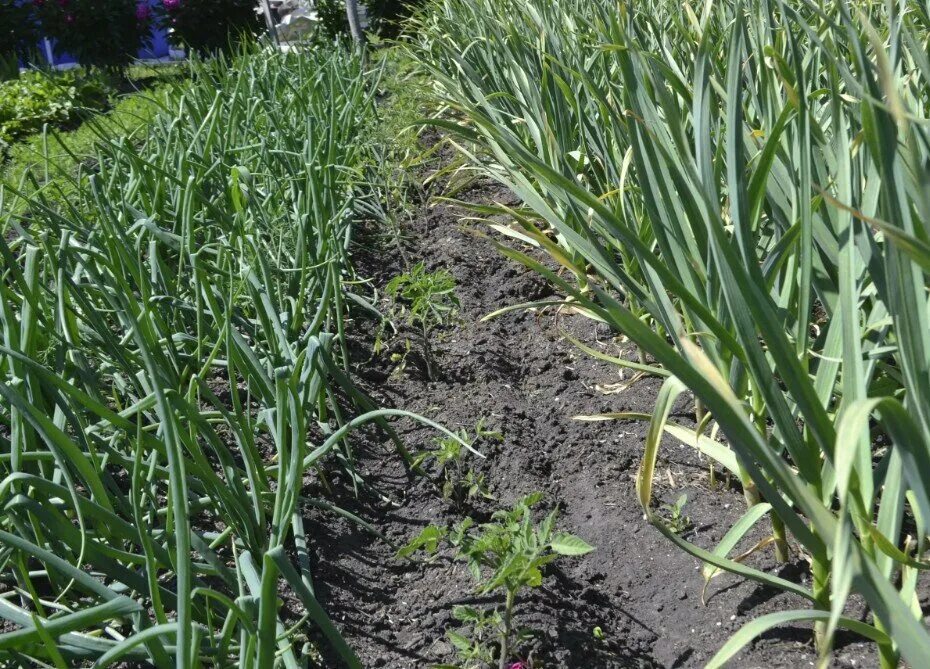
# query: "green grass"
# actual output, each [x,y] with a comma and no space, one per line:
[404,99]
[59,155]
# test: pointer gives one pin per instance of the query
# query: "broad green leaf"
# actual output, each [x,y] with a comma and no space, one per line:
[569,544]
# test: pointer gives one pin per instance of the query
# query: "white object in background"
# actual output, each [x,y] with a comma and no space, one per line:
[49,55]
[297,24]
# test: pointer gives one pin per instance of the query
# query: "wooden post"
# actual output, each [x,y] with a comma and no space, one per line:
[269,19]
[355,24]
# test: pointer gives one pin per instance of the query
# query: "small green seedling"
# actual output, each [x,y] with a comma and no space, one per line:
[476,648]
[678,522]
[426,300]
[505,555]
[399,359]
[490,435]
[459,482]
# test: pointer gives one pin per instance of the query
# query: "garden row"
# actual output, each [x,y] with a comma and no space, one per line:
[741,189]
[173,368]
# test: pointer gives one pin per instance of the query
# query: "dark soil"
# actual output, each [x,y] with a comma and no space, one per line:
[519,374]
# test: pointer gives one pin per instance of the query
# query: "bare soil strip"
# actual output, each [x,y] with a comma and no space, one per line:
[519,374]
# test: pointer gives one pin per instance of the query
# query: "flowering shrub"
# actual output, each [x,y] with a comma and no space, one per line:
[18,33]
[210,25]
[99,33]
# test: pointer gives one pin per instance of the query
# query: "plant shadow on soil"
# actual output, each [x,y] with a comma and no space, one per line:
[519,374]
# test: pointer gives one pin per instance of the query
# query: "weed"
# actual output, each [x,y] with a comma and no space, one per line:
[459,482]
[426,301]
[394,172]
[678,522]
[505,556]
[475,649]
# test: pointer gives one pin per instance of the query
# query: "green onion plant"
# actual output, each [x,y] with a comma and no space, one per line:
[174,375]
[741,189]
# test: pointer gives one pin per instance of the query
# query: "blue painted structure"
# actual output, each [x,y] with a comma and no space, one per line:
[158,47]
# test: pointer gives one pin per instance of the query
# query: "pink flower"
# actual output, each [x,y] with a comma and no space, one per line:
[63,3]
[518,665]
[171,5]
[69,18]
[143,12]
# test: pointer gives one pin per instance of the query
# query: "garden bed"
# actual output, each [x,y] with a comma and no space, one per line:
[519,374]
[200,400]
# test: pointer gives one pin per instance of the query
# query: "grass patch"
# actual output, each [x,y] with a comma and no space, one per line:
[54,158]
